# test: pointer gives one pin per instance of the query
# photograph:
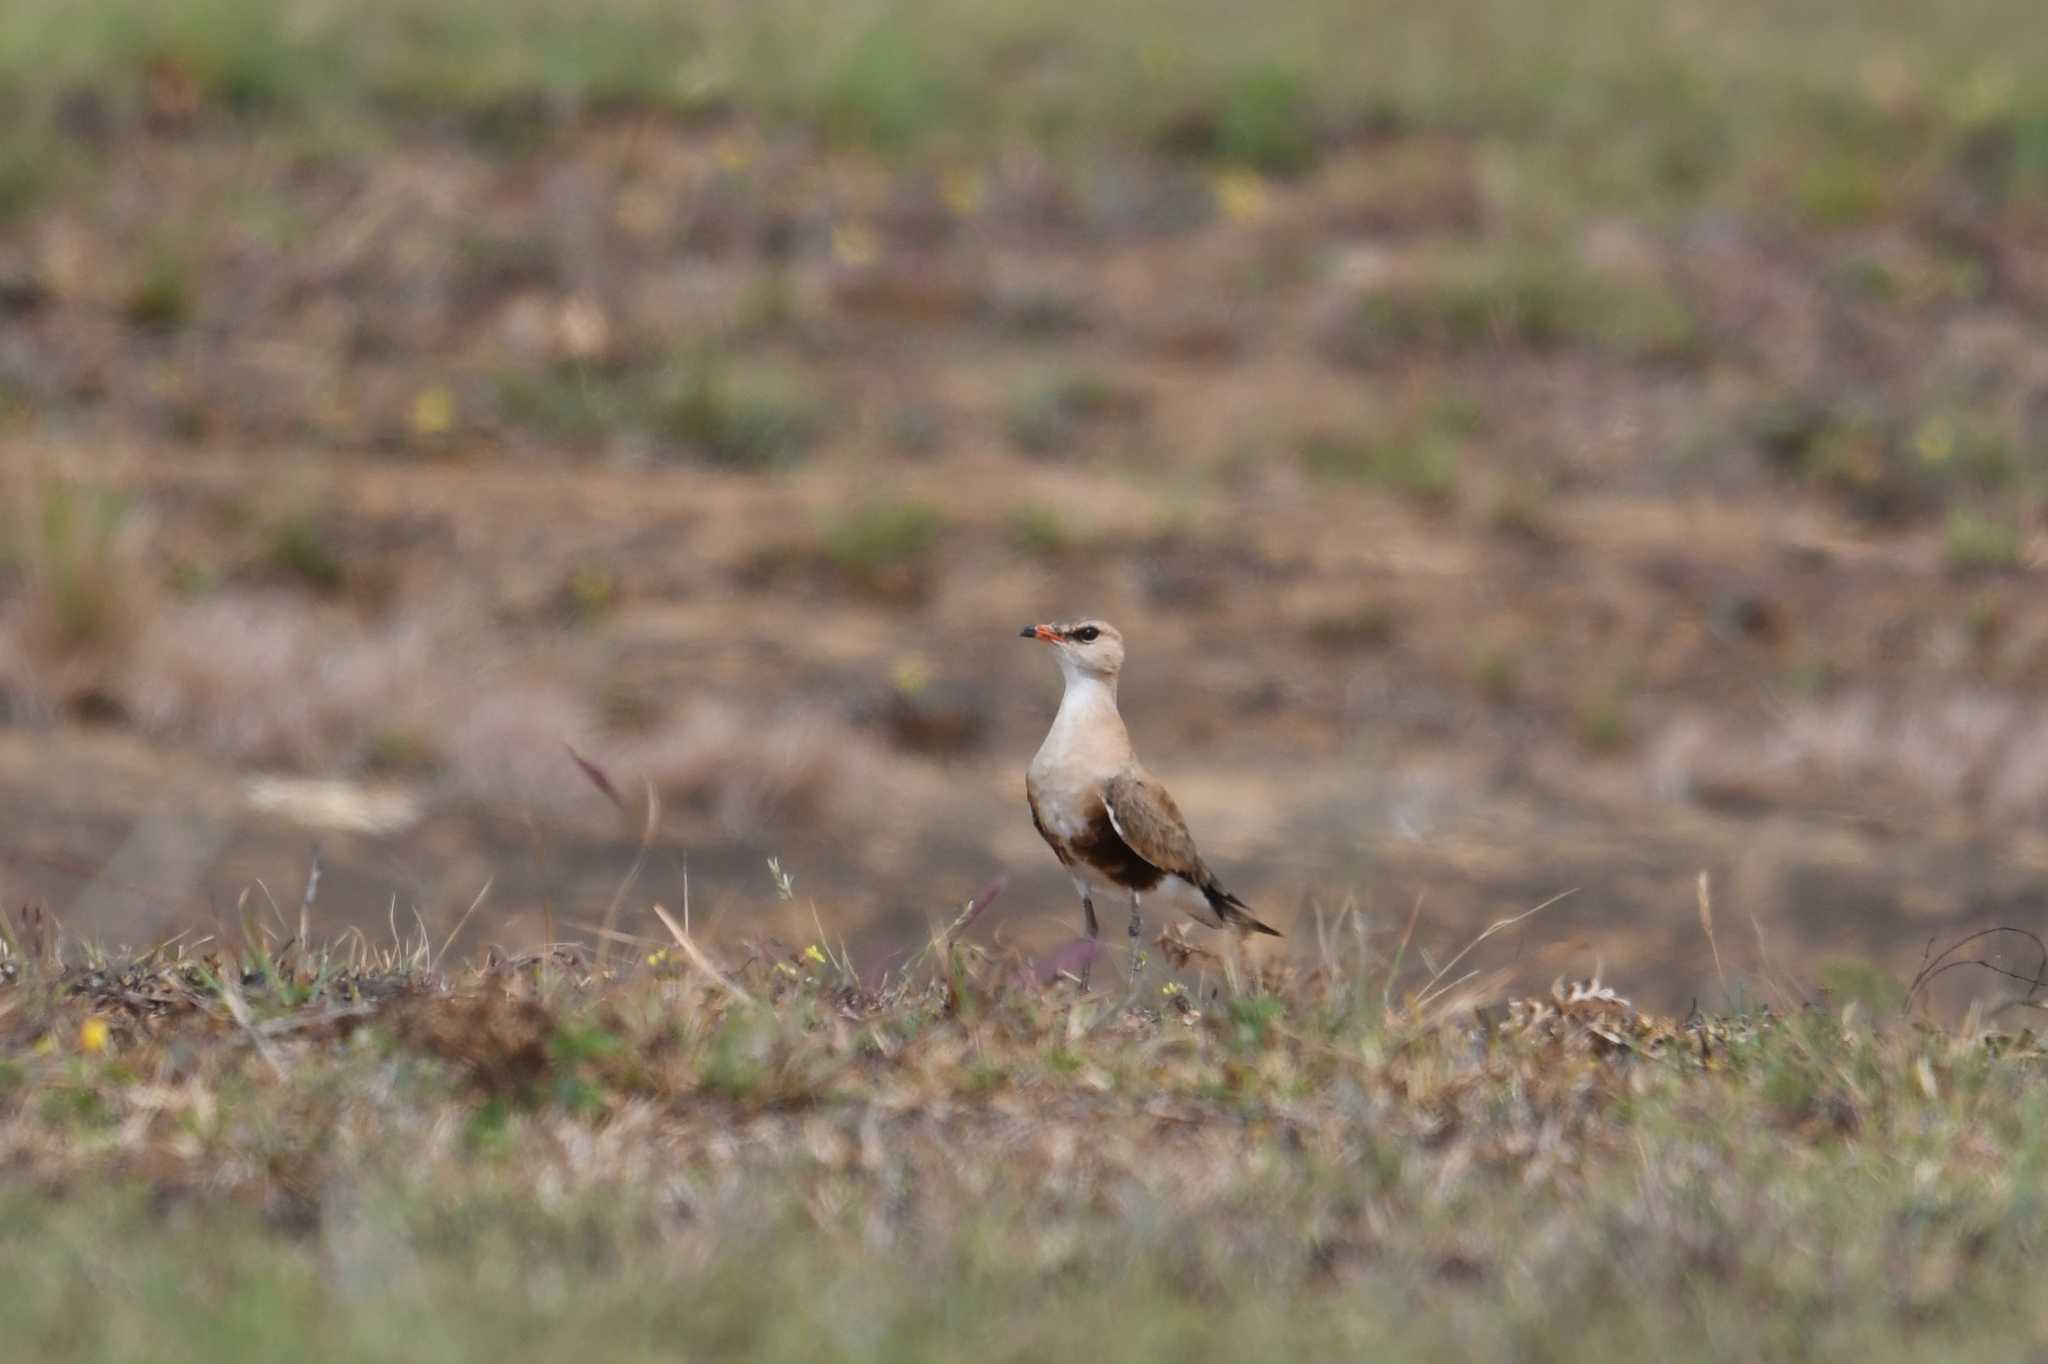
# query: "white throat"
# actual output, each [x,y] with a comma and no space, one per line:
[1087,727]
[1086,691]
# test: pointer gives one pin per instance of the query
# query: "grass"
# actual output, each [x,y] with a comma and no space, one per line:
[735,421]
[1627,105]
[572,402]
[1039,529]
[66,545]
[1049,414]
[369,1153]
[301,550]
[161,298]
[1971,539]
[880,536]
[1420,455]
[1514,295]
[26,174]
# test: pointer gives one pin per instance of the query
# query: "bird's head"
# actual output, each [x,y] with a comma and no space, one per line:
[1087,648]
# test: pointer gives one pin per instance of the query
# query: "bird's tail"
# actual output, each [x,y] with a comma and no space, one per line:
[1235,912]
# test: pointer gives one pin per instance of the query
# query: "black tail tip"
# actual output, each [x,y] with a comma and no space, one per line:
[1238,914]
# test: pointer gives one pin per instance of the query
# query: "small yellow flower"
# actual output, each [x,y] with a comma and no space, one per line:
[658,957]
[911,675]
[963,192]
[1936,440]
[733,153]
[433,411]
[92,1035]
[1241,194]
[856,245]
[814,954]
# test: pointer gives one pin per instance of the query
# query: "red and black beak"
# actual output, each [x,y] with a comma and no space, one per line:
[1044,632]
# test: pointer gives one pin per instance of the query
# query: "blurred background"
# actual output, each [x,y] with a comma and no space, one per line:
[1529,448]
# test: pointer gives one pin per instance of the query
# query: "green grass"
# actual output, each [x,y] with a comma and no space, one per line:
[880,536]
[1420,455]
[1039,529]
[573,402]
[65,543]
[1518,295]
[737,421]
[27,171]
[1972,539]
[161,297]
[302,550]
[1050,414]
[1633,104]
[424,1165]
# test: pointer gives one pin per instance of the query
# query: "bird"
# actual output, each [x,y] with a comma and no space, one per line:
[1105,816]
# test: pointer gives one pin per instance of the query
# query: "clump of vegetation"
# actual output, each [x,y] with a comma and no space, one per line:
[1837,187]
[1261,116]
[884,546]
[1420,455]
[1370,625]
[1971,539]
[1849,449]
[736,423]
[301,549]
[1533,297]
[67,546]
[1956,450]
[26,172]
[917,429]
[161,299]
[591,592]
[1051,413]
[574,402]
[1496,671]
[1039,529]
[1601,720]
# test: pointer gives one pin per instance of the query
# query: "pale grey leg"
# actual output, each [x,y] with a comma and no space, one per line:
[1137,929]
[1087,913]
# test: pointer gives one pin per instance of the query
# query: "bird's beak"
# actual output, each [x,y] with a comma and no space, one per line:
[1044,632]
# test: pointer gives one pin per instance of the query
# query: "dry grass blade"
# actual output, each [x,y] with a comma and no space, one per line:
[596,776]
[699,960]
[306,900]
[1400,954]
[1433,989]
[434,965]
[1707,925]
[626,882]
[238,1009]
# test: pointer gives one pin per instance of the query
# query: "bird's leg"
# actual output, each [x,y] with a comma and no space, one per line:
[1087,914]
[1137,928]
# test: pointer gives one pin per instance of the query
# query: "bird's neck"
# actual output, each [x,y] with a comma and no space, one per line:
[1088,691]
[1087,714]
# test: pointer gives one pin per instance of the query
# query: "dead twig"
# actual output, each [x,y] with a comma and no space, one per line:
[1935,965]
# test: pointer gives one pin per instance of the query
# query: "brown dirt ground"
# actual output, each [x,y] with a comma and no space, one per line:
[1622,648]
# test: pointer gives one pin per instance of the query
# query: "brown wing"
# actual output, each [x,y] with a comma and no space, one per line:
[1151,825]
[1146,818]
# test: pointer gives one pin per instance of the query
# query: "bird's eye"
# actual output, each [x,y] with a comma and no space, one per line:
[1086,634]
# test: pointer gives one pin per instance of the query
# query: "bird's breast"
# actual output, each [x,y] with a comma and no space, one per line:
[1065,805]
